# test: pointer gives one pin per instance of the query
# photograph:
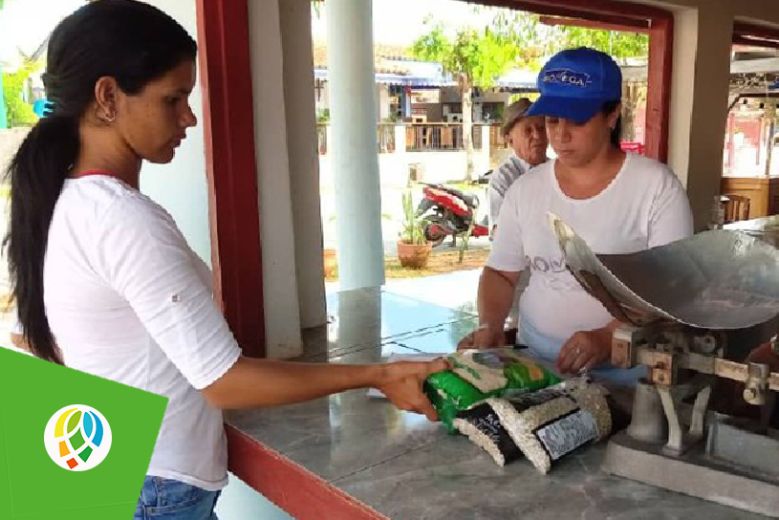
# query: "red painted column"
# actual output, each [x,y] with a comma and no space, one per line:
[658,100]
[225,78]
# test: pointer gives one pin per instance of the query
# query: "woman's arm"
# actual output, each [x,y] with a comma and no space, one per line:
[498,281]
[144,257]
[253,383]
[494,301]
[495,297]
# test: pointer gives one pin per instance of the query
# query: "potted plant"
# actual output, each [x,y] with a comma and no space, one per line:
[413,247]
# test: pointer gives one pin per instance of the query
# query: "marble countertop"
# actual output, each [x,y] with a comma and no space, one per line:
[404,467]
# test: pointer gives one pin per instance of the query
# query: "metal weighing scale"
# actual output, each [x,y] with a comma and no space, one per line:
[693,310]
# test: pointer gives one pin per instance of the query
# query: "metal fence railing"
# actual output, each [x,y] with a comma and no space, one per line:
[439,136]
[422,137]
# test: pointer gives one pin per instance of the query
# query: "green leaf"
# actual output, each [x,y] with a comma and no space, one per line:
[617,44]
[480,57]
[412,227]
[19,112]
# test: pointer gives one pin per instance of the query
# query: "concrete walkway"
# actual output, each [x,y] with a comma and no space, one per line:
[456,290]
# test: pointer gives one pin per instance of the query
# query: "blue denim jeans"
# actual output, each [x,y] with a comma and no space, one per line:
[165,499]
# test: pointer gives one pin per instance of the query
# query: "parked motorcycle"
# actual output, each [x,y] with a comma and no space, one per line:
[449,212]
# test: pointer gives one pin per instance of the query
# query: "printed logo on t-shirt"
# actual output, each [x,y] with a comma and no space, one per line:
[555,272]
[547,265]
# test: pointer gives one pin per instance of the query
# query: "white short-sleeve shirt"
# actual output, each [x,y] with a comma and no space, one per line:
[501,179]
[643,207]
[128,300]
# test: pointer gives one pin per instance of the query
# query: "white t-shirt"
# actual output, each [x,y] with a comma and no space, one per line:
[643,207]
[128,300]
[501,180]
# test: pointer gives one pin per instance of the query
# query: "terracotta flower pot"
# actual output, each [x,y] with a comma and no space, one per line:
[331,263]
[414,256]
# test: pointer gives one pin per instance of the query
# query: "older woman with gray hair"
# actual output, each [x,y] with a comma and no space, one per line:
[527,138]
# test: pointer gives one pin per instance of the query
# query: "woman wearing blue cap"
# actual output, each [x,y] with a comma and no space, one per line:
[617,202]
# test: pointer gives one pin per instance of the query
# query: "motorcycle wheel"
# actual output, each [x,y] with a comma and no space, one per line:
[435,234]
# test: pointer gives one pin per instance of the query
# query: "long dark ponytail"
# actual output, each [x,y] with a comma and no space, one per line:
[125,39]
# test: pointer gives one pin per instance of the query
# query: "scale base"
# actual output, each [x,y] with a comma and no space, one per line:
[693,473]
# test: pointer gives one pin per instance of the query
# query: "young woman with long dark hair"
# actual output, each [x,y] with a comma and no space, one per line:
[104,280]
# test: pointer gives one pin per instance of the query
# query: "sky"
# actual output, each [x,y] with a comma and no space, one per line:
[400,22]
[24,24]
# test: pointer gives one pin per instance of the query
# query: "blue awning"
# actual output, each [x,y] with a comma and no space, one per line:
[520,80]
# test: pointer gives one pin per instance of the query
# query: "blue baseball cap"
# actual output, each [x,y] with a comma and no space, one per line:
[575,83]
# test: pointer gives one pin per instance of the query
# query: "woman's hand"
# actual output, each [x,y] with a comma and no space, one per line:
[402,383]
[585,350]
[483,337]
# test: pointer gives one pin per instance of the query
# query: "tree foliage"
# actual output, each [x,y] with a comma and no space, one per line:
[477,57]
[481,56]
[617,44]
[517,39]
[18,111]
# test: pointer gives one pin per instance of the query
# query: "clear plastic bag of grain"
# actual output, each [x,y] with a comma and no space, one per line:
[544,425]
[501,369]
[479,374]
[482,426]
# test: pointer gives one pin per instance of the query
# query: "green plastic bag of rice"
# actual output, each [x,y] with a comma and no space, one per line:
[480,374]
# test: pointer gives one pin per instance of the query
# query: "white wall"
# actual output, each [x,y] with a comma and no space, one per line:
[182,189]
[295,17]
[438,167]
[10,140]
[181,186]
[435,166]
[699,104]
[280,287]
[383,101]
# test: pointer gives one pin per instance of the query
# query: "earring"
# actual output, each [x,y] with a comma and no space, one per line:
[106,117]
